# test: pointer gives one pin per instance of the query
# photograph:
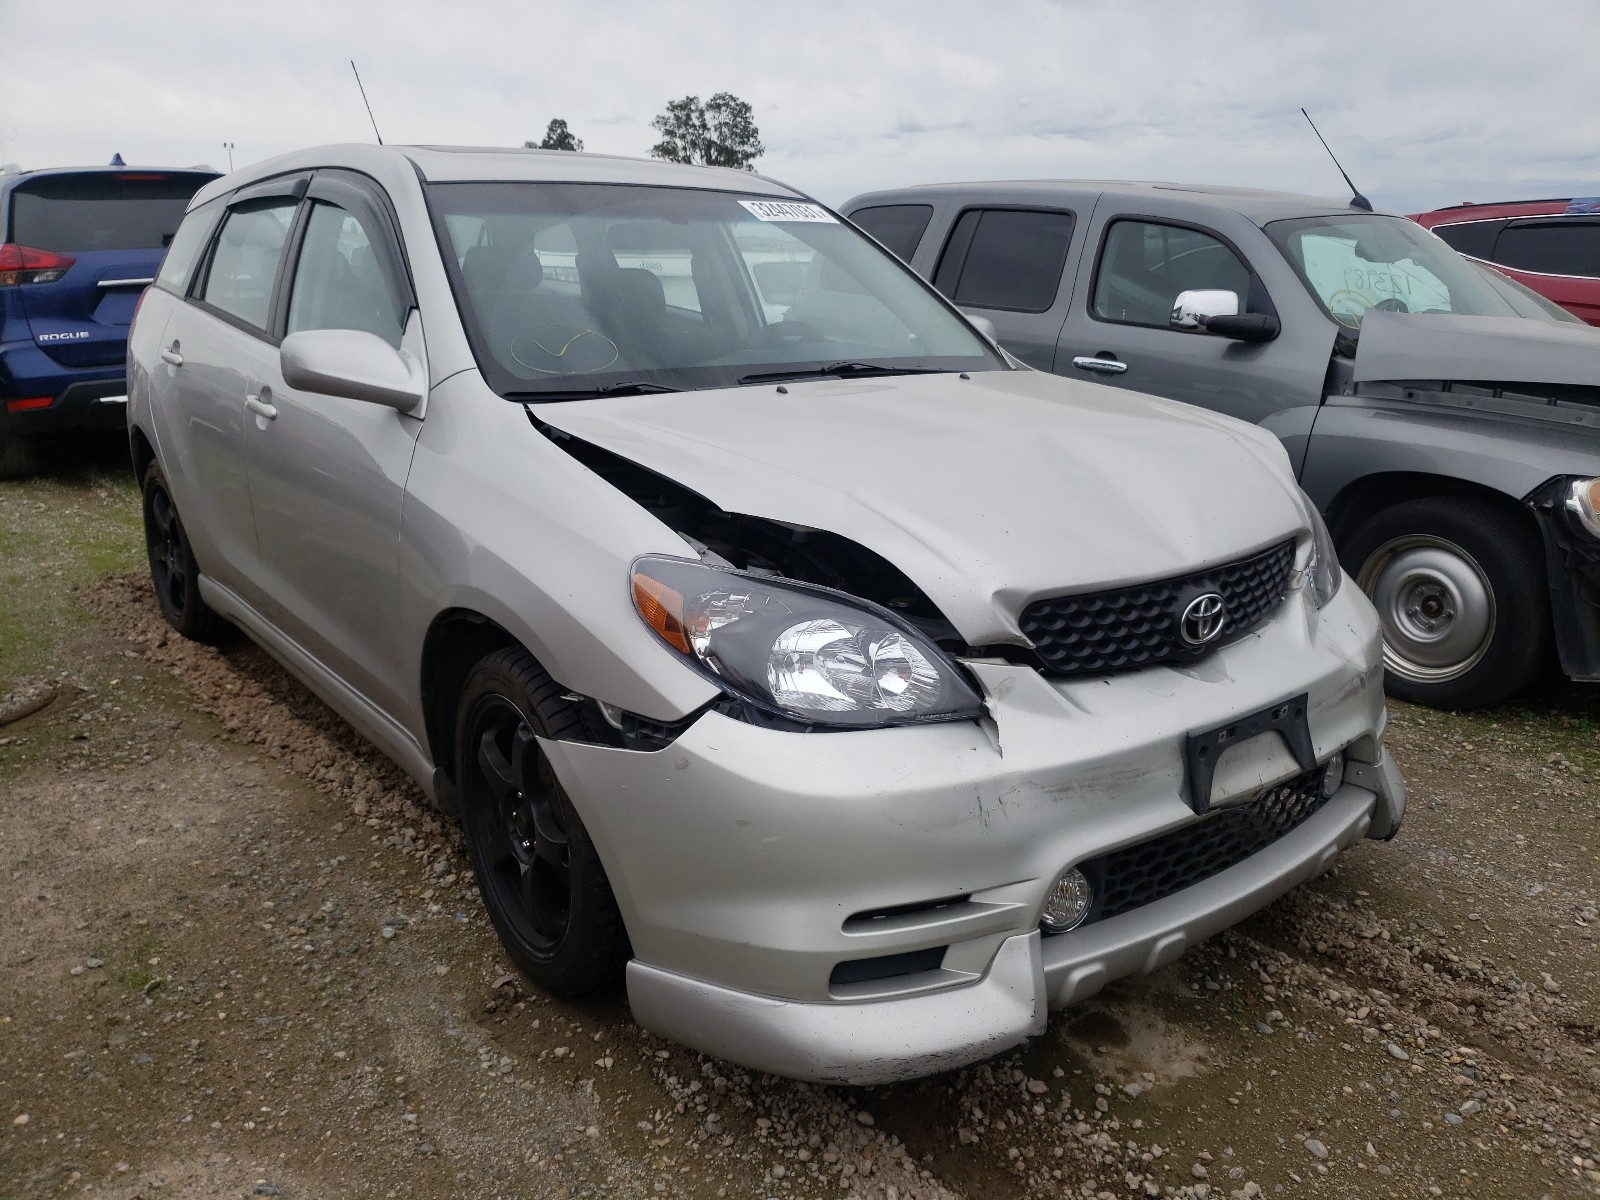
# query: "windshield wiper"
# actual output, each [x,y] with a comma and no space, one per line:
[840,370]
[637,387]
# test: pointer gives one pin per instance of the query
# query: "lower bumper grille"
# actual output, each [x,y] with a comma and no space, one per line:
[1137,875]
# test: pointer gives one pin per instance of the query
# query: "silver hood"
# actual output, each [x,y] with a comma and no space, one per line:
[1404,346]
[988,492]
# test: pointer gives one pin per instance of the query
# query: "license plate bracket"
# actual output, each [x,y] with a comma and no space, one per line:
[1286,718]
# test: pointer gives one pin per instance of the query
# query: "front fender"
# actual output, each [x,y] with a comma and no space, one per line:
[1360,436]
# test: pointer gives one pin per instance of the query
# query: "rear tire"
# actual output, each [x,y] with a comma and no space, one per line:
[1459,584]
[173,570]
[19,456]
[539,873]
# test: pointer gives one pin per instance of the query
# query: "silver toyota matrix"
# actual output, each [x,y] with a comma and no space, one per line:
[854,692]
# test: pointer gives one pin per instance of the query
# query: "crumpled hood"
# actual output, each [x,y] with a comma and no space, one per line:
[1404,346]
[988,493]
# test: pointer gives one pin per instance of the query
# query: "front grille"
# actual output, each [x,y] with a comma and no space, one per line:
[1128,628]
[1137,875]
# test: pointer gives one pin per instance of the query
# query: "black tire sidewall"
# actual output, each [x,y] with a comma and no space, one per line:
[196,620]
[594,948]
[1508,549]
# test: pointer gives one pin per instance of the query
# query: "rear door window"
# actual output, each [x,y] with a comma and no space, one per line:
[898,226]
[1003,258]
[1564,246]
[1145,264]
[244,265]
[133,210]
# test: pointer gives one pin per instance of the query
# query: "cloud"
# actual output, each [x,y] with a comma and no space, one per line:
[1426,103]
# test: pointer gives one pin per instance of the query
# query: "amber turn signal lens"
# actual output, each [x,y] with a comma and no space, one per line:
[662,610]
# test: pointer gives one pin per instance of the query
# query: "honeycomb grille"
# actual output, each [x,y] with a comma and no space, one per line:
[1128,628]
[1138,875]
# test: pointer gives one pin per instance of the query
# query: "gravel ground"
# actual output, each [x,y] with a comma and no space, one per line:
[241,958]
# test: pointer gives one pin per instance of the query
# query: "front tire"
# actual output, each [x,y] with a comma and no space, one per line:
[1459,585]
[539,873]
[173,570]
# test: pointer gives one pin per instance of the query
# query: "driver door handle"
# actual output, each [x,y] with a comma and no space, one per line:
[171,357]
[261,408]
[1107,366]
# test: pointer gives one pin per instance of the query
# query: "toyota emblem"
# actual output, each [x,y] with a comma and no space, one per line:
[1203,619]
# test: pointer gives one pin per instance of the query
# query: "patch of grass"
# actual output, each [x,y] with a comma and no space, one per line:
[56,533]
[130,964]
[1560,718]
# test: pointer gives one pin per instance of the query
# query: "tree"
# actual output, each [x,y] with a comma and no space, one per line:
[556,137]
[719,133]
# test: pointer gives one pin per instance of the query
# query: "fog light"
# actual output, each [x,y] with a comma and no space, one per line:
[1068,901]
[1333,775]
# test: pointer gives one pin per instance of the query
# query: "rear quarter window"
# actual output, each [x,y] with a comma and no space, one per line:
[132,210]
[1563,246]
[178,267]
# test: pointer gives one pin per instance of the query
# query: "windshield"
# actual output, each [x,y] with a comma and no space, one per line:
[590,287]
[1353,263]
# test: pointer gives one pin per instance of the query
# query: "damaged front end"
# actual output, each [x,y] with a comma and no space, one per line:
[1568,512]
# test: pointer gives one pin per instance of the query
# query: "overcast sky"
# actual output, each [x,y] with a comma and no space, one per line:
[1426,103]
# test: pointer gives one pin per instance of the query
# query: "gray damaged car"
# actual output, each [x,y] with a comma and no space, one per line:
[781,647]
[1444,418]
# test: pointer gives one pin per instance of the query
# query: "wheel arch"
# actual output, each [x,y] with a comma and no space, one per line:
[1361,499]
[457,639]
[142,450]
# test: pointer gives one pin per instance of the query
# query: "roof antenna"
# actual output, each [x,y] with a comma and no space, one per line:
[1357,200]
[374,119]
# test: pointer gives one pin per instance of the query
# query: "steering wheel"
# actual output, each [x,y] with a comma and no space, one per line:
[789,333]
[1392,304]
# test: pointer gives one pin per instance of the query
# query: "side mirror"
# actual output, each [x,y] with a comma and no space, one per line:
[1192,309]
[983,325]
[1246,327]
[353,364]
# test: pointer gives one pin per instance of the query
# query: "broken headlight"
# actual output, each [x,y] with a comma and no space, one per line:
[798,651]
[1323,573]
[1583,502]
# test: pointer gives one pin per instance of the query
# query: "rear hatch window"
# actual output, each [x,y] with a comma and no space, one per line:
[123,210]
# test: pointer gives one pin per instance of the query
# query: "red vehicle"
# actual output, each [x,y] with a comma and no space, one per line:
[1551,246]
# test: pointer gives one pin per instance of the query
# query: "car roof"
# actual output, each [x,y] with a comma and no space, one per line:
[1255,204]
[1493,210]
[461,164]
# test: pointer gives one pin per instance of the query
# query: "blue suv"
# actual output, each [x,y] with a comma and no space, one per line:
[77,247]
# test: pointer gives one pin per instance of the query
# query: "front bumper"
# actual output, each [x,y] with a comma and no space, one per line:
[916,1035]
[750,863]
[1572,562]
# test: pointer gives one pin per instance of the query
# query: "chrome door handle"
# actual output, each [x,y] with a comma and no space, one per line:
[261,408]
[1108,366]
[171,357]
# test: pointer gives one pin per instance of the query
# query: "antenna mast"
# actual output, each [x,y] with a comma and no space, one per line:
[379,136]
[1357,200]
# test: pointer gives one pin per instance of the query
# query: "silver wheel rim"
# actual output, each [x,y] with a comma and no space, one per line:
[1436,606]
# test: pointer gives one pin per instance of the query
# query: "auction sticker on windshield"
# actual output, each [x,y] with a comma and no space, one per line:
[788,210]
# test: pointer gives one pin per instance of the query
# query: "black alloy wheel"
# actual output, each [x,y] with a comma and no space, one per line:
[540,875]
[173,570]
